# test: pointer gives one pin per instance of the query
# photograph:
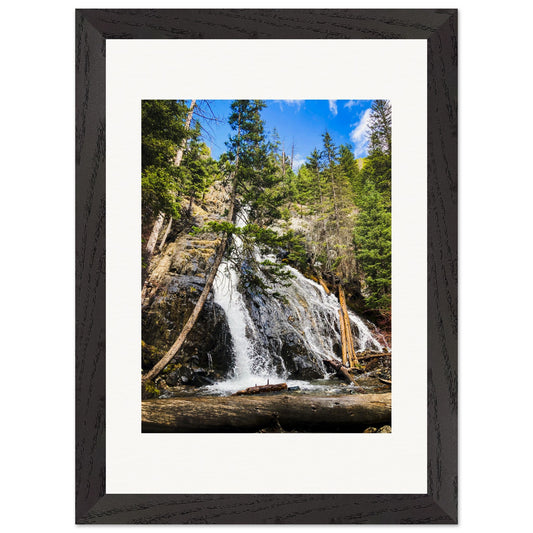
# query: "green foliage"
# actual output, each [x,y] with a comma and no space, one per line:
[257,170]
[163,130]
[159,191]
[376,173]
[372,238]
[150,390]
[294,246]
[198,170]
[349,201]
[372,187]
[380,126]
[348,165]
[164,184]
[330,152]
[213,226]
[345,203]
[304,185]
[377,168]
[259,174]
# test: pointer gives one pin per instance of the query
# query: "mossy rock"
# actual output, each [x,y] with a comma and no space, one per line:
[149,390]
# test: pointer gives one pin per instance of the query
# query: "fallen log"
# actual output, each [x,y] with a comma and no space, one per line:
[261,389]
[284,412]
[364,357]
[341,370]
[324,286]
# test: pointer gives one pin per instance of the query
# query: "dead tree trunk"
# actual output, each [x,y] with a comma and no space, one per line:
[342,371]
[324,286]
[181,149]
[292,155]
[261,389]
[165,235]
[191,201]
[158,224]
[344,317]
[174,349]
[343,338]
[152,240]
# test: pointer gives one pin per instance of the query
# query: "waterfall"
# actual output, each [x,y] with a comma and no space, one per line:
[284,337]
[250,366]
[318,314]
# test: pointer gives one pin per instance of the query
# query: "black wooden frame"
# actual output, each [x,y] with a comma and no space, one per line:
[93,28]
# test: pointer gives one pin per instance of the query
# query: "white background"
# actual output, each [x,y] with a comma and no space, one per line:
[254,463]
[38,261]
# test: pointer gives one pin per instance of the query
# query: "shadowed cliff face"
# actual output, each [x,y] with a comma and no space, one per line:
[207,352]
[176,279]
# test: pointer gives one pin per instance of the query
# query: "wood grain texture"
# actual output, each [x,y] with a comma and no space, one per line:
[266,509]
[267,23]
[292,412]
[90,266]
[439,28]
[442,266]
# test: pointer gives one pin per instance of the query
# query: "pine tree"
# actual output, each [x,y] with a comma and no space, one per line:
[372,235]
[163,130]
[380,125]
[372,239]
[329,156]
[252,179]
[377,168]
[198,169]
[314,164]
[304,187]
[258,180]
[262,190]
[348,165]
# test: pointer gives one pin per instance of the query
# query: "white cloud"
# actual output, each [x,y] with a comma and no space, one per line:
[297,103]
[359,135]
[353,103]
[297,162]
[333,107]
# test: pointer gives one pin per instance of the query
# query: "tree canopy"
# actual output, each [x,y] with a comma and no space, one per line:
[331,217]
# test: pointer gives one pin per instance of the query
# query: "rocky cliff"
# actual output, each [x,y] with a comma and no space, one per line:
[176,278]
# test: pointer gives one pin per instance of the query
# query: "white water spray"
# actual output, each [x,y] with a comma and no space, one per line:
[304,306]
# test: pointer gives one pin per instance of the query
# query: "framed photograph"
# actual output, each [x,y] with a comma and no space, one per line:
[266,266]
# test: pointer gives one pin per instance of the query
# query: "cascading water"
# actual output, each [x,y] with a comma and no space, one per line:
[283,338]
[318,316]
[251,364]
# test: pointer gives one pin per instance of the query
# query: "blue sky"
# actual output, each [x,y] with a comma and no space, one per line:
[300,121]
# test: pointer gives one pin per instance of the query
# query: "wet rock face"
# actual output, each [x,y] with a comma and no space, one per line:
[176,279]
[208,349]
[298,363]
[280,336]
